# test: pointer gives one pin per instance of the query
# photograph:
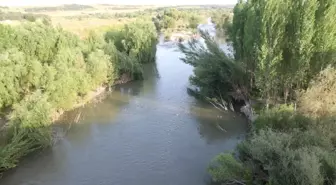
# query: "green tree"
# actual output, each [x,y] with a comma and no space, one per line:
[168,22]
[217,76]
[194,20]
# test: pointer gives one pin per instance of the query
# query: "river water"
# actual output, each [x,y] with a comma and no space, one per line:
[148,132]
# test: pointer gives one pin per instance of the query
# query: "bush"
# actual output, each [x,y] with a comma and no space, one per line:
[169,22]
[99,67]
[134,45]
[281,117]
[28,129]
[272,155]
[225,168]
[286,144]
[44,69]
[194,20]
[319,100]
[33,111]
[22,142]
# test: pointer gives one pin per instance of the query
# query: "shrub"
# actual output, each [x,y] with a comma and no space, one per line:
[319,100]
[225,168]
[281,117]
[271,156]
[22,142]
[98,66]
[43,69]
[194,20]
[33,111]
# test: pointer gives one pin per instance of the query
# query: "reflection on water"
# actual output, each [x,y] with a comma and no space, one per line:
[143,133]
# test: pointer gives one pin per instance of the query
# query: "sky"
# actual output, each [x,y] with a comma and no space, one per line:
[128,2]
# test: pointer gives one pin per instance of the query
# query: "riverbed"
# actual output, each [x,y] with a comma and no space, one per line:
[149,132]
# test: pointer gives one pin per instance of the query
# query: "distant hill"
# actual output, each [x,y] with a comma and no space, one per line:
[214,6]
[67,7]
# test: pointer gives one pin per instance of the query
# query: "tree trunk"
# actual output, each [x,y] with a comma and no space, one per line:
[286,93]
[267,101]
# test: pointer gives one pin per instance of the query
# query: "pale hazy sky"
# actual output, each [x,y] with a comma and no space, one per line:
[152,2]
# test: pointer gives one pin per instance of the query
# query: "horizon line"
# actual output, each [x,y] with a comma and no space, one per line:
[116,4]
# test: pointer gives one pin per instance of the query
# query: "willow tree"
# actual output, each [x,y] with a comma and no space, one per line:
[217,76]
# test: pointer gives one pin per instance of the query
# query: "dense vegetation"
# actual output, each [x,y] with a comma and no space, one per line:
[173,18]
[45,70]
[284,54]
[222,19]
[283,45]
[5,15]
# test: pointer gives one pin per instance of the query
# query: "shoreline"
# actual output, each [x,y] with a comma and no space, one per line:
[57,115]
[91,95]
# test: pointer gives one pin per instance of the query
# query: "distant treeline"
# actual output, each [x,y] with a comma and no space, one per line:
[58,8]
[199,7]
[113,15]
[20,16]
[122,7]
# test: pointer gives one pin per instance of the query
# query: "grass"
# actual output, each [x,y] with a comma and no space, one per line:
[82,27]
[84,20]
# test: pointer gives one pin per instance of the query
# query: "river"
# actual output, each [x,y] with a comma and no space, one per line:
[148,132]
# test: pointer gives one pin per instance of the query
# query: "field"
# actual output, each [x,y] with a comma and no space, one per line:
[79,19]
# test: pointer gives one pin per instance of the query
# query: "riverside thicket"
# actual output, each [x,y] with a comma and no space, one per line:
[45,70]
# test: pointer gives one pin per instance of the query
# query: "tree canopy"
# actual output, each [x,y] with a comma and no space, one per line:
[44,69]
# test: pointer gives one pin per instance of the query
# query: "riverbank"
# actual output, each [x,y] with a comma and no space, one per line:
[91,95]
[151,130]
[60,76]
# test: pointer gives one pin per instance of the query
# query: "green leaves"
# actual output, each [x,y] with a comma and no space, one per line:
[215,74]
[33,111]
[225,168]
[134,45]
[284,47]
[43,70]
[283,44]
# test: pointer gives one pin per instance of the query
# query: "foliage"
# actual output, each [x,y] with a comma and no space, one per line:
[194,20]
[301,157]
[215,74]
[225,168]
[45,69]
[284,144]
[99,67]
[277,43]
[222,20]
[21,143]
[280,48]
[173,18]
[319,100]
[33,111]
[29,129]
[7,15]
[132,46]
[168,22]
[281,117]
